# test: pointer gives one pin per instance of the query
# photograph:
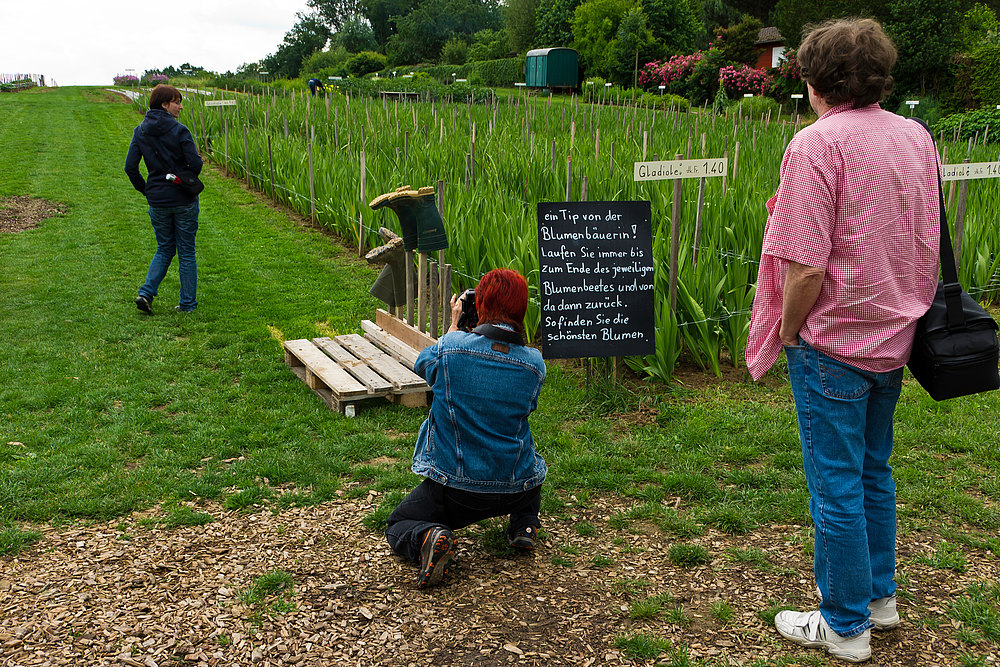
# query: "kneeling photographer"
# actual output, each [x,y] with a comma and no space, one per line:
[475,449]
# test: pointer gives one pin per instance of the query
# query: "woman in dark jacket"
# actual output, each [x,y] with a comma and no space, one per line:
[166,146]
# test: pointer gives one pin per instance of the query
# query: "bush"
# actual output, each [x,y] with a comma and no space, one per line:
[744,79]
[454,52]
[756,107]
[664,101]
[322,61]
[787,77]
[365,62]
[971,123]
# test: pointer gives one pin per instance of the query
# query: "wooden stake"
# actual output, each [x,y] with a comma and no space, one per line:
[963,198]
[409,286]
[364,201]
[422,291]
[675,234]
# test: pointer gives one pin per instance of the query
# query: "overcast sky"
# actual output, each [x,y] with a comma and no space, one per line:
[88,43]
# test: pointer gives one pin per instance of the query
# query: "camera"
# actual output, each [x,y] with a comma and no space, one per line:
[469,317]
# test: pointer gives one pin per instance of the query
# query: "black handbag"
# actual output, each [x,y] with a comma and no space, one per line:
[186,179]
[955,350]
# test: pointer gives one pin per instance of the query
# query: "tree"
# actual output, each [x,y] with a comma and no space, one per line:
[791,16]
[979,26]
[335,13]
[381,15]
[521,16]
[715,15]
[594,27]
[307,35]
[737,43]
[674,25]
[356,35]
[488,45]
[423,32]
[632,41]
[554,22]
[926,33]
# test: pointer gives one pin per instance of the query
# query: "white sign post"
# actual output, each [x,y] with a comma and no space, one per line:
[220,103]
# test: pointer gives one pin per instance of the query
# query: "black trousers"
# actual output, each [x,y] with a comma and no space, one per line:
[432,504]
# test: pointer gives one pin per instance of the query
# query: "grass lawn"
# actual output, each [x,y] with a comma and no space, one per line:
[104,410]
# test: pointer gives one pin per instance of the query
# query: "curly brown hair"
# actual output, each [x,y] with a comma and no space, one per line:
[848,60]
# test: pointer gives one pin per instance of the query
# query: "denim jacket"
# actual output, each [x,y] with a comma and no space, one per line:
[476,437]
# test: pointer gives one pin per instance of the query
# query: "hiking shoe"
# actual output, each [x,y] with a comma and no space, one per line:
[522,538]
[436,551]
[809,629]
[882,612]
[144,304]
[183,310]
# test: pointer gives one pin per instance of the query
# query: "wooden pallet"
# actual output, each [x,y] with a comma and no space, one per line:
[349,369]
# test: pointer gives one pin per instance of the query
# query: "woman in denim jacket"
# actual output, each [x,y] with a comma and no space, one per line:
[475,448]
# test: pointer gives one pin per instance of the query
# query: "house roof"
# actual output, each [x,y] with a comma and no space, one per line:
[769,35]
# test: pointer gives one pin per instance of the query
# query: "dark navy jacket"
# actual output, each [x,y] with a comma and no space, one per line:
[181,151]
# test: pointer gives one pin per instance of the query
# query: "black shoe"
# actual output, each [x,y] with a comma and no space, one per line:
[144,304]
[437,550]
[522,538]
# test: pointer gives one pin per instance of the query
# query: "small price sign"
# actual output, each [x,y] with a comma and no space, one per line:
[670,169]
[971,170]
[220,103]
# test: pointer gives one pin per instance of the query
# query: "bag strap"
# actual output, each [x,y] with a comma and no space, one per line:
[500,334]
[949,272]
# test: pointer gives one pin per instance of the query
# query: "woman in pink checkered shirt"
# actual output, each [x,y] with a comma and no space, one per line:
[848,265]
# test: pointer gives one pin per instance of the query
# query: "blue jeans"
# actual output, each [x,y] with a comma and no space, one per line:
[175,228]
[845,428]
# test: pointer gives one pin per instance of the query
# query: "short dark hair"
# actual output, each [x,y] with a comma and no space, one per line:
[502,296]
[163,94]
[848,60]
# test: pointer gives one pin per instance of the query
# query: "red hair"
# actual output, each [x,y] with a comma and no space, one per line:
[502,296]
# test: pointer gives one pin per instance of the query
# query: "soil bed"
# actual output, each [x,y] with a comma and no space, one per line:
[123,594]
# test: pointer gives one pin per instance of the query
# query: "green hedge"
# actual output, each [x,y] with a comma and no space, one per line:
[491,73]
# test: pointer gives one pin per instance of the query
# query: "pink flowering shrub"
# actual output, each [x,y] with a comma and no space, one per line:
[659,73]
[155,79]
[745,79]
[126,80]
[788,66]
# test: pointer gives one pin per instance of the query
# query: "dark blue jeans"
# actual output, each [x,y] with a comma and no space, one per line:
[175,228]
[845,428]
[432,504]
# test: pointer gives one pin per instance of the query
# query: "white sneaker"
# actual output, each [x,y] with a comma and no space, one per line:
[809,629]
[882,612]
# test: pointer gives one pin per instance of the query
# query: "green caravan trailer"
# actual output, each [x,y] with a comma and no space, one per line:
[552,68]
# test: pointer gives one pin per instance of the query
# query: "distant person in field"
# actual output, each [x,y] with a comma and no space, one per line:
[475,449]
[315,84]
[849,263]
[165,146]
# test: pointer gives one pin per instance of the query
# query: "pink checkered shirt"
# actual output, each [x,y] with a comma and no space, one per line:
[858,198]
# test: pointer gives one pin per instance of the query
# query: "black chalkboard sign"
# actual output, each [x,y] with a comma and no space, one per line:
[596,277]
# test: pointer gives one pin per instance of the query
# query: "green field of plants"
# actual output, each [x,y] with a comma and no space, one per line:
[498,159]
